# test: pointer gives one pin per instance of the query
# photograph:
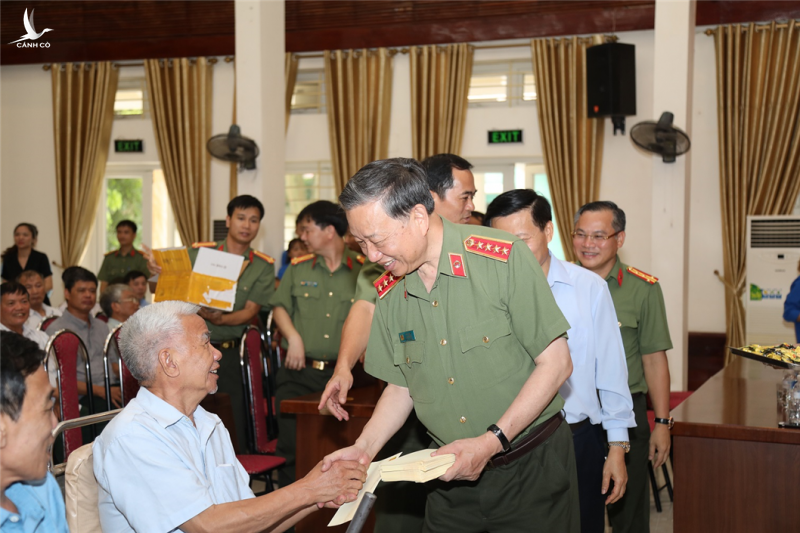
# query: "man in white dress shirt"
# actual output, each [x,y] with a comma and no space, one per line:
[596,396]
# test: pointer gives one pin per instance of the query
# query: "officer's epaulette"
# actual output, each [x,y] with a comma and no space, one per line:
[204,244]
[265,257]
[303,259]
[360,258]
[494,248]
[642,275]
[385,283]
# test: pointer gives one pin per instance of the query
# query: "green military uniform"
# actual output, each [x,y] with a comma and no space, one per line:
[115,265]
[642,318]
[400,507]
[464,351]
[256,284]
[317,301]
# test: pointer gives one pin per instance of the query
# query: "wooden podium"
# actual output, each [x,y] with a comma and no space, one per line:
[320,434]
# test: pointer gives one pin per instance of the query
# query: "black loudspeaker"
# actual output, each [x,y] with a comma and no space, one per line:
[611,82]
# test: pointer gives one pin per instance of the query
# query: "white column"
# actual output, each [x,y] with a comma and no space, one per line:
[672,91]
[260,110]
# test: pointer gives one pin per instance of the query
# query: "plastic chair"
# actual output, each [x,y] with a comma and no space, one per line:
[66,345]
[260,463]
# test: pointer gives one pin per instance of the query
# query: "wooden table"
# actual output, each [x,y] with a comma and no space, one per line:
[735,470]
[319,435]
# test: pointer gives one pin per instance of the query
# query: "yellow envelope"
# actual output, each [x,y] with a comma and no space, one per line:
[211,283]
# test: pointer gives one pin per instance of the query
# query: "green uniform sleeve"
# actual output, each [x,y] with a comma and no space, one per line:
[653,329]
[535,316]
[380,359]
[264,286]
[365,290]
[104,275]
[283,296]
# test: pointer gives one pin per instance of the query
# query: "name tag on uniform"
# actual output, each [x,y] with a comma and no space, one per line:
[407,336]
[308,283]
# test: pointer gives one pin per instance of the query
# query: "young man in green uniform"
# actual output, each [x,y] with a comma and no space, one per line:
[310,307]
[119,262]
[254,288]
[400,506]
[467,333]
[599,234]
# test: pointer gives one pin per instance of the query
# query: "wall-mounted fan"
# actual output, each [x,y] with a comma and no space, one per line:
[661,138]
[233,147]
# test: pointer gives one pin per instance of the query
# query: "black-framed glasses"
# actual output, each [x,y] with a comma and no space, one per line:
[581,236]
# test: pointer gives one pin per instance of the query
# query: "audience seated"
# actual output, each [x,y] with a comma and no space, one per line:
[137,281]
[14,311]
[119,303]
[21,256]
[165,463]
[34,283]
[30,500]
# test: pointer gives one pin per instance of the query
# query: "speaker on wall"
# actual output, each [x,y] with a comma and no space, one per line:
[611,82]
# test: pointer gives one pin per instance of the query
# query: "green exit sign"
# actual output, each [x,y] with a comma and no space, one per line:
[129,146]
[505,136]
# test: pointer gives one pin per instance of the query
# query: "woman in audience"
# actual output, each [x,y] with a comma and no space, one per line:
[34,282]
[21,256]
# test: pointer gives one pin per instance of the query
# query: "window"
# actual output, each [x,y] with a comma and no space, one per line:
[503,83]
[131,98]
[305,183]
[309,92]
[123,202]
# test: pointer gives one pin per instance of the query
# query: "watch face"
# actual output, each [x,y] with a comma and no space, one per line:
[671,422]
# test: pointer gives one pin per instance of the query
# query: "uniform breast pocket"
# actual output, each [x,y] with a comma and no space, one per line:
[307,298]
[409,357]
[489,351]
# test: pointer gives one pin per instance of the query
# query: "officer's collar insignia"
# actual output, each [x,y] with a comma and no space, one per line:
[265,257]
[303,259]
[204,244]
[619,277]
[494,248]
[385,283]
[643,275]
[308,283]
[350,263]
[457,265]
[407,336]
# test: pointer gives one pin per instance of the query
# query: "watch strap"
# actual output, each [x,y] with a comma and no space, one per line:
[501,436]
[665,421]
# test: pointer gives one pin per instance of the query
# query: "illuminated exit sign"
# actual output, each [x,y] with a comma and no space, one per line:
[129,146]
[505,136]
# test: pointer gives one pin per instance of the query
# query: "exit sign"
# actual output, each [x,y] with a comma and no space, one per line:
[129,146]
[505,136]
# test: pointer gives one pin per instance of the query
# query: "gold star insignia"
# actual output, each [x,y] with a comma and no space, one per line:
[480,245]
[496,249]
[391,278]
[505,251]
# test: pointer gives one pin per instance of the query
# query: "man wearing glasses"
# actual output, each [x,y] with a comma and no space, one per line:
[599,234]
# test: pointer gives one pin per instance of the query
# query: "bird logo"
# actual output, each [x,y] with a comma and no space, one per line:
[32,35]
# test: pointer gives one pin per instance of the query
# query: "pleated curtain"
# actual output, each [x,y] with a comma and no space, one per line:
[758,106]
[571,142]
[358,91]
[83,113]
[440,77]
[290,71]
[180,95]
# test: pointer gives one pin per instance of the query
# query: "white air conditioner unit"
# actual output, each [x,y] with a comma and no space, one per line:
[773,250]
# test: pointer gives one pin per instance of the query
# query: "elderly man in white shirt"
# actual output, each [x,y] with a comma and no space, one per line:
[164,463]
[596,395]
[34,282]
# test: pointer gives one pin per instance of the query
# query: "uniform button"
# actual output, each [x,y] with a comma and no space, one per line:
[462,419]
[330,294]
[14,519]
[352,300]
[327,336]
[408,360]
[327,315]
[443,342]
[435,303]
[305,295]
[451,381]
[486,339]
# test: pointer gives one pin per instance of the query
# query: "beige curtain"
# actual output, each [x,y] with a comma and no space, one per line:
[83,112]
[758,106]
[180,93]
[358,89]
[439,88]
[291,78]
[572,143]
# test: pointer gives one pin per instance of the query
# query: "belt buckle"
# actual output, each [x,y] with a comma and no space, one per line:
[318,365]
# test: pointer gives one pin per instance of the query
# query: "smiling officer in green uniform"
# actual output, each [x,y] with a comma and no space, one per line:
[255,287]
[119,262]
[467,333]
[310,307]
[639,303]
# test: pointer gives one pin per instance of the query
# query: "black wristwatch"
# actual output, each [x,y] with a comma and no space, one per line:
[666,421]
[501,436]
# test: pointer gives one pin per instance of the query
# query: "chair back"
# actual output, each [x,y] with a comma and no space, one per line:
[80,487]
[251,359]
[66,345]
[46,322]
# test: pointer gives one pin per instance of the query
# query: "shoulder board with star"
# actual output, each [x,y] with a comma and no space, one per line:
[385,283]
[360,258]
[494,248]
[264,256]
[642,275]
[303,259]
[204,244]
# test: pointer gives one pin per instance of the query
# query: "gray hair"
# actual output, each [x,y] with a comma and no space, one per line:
[112,295]
[398,184]
[618,221]
[147,332]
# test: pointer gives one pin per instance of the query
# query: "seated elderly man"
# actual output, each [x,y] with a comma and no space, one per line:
[30,499]
[164,463]
[119,303]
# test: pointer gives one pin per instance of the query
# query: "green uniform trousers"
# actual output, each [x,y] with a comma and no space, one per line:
[230,382]
[537,492]
[631,514]
[400,507]
[291,384]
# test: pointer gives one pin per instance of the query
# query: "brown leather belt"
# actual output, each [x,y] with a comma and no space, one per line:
[224,345]
[578,425]
[319,365]
[538,435]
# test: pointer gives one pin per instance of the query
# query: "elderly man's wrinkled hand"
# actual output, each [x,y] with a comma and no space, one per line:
[338,484]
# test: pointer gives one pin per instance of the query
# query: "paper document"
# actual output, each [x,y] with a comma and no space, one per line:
[346,512]
[211,283]
[418,467]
